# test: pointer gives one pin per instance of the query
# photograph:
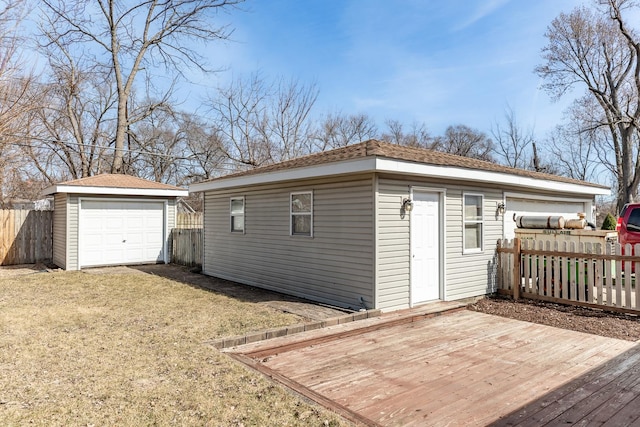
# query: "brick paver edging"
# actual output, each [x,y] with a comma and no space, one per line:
[221,343]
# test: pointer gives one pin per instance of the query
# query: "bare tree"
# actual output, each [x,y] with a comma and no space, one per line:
[465,141]
[289,124]
[70,130]
[15,94]
[596,49]
[157,148]
[575,144]
[203,150]
[336,130]
[416,136]
[512,143]
[129,39]
[260,122]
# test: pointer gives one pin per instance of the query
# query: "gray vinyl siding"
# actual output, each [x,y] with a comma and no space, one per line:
[465,275]
[72,232]
[334,266]
[470,274]
[60,230]
[393,268]
[171,224]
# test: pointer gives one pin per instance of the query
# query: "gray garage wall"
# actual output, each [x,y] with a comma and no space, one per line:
[334,266]
[466,275]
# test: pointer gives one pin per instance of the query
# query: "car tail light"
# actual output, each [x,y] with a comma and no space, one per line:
[619,224]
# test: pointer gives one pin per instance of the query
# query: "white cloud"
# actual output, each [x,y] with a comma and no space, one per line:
[482,10]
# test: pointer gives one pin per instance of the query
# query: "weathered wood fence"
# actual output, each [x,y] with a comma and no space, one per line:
[26,236]
[187,246]
[578,274]
[189,220]
[187,239]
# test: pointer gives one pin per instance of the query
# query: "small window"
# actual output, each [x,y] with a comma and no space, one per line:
[302,214]
[473,232]
[237,214]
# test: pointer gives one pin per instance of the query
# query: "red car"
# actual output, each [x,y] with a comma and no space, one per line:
[628,226]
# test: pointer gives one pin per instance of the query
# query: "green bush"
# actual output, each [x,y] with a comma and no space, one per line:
[609,222]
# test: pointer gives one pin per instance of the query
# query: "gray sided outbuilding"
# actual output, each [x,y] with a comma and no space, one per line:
[112,220]
[372,225]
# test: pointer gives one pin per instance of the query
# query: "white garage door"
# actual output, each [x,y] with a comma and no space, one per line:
[120,232]
[519,207]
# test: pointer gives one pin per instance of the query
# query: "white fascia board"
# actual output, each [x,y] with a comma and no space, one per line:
[80,189]
[421,169]
[374,164]
[322,170]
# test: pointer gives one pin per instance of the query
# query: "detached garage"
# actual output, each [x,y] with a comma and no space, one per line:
[375,225]
[112,220]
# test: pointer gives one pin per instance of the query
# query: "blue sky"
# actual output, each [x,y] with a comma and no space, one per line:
[438,62]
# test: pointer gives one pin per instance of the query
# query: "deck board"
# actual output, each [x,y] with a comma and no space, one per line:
[468,368]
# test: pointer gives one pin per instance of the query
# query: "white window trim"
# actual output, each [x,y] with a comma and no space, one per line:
[243,214]
[465,222]
[291,214]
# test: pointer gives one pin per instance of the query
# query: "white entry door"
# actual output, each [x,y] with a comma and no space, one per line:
[114,232]
[425,247]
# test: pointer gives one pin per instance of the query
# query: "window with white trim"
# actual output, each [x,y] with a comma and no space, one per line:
[473,217]
[301,213]
[236,212]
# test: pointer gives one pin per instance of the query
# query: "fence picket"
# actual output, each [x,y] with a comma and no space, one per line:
[596,286]
[540,265]
[571,270]
[580,272]
[526,260]
[589,279]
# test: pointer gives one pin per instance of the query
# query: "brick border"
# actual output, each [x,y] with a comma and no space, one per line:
[251,337]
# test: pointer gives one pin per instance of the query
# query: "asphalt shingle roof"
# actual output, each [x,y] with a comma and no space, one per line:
[375,148]
[119,181]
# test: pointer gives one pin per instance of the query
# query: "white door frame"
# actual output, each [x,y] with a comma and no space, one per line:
[441,241]
[165,219]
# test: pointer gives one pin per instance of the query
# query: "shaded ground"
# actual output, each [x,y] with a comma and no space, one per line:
[612,325]
[286,303]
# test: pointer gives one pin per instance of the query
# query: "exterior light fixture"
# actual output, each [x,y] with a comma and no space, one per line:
[501,208]
[407,205]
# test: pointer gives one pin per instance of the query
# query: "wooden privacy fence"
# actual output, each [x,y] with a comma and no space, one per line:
[187,239]
[187,246]
[189,220]
[26,236]
[565,272]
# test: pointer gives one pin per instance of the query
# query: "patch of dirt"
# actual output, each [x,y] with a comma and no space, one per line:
[25,269]
[580,319]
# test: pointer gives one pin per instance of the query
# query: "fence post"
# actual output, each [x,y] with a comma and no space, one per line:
[516,280]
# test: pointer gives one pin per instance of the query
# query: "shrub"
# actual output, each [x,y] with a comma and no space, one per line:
[609,222]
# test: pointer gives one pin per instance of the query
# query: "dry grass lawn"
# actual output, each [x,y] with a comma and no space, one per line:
[78,349]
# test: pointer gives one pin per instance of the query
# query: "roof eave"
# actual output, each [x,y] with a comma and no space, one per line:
[402,167]
[115,191]
[449,172]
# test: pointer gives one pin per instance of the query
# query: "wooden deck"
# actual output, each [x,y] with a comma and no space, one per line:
[465,368]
